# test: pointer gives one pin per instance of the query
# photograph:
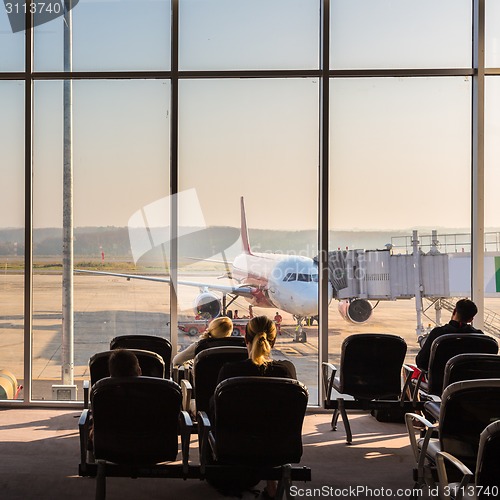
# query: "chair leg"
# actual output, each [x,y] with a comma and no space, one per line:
[284,483]
[100,487]
[335,418]
[347,426]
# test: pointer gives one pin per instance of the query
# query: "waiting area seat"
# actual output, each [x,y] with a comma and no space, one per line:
[369,377]
[151,364]
[208,343]
[430,382]
[466,409]
[134,431]
[185,371]
[205,373]
[468,366]
[153,343]
[485,482]
[256,432]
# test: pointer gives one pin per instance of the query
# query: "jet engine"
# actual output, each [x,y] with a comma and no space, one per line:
[356,310]
[208,304]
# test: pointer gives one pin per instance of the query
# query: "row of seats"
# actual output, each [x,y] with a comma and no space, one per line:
[154,354]
[135,422]
[459,392]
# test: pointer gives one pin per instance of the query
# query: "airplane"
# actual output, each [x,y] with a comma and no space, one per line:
[276,281]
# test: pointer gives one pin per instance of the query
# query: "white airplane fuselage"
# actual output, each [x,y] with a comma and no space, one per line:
[286,282]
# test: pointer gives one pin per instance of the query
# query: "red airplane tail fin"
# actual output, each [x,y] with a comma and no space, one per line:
[244,229]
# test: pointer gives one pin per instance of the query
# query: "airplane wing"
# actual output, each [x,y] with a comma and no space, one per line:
[243,290]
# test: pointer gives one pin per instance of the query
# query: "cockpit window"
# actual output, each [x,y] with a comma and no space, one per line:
[301,277]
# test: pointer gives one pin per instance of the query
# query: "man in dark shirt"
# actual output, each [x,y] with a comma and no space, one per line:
[462,316]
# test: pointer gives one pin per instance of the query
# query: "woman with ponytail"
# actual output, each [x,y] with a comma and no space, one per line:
[218,328]
[260,336]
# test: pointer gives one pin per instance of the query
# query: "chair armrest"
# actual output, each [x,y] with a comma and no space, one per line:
[406,373]
[187,391]
[175,374]
[186,428]
[86,389]
[204,427]
[419,453]
[421,376]
[432,409]
[83,430]
[444,485]
[328,371]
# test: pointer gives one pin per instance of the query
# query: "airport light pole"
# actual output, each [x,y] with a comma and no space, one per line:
[67,282]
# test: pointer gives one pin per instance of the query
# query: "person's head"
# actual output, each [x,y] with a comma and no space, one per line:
[260,336]
[123,363]
[464,311]
[218,328]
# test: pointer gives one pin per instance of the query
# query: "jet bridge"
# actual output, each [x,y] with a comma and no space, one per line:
[358,276]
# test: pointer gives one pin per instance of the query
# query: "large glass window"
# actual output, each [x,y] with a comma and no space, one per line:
[492,34]
[11,40]
[249,34]
[400,161]
[491,208]
[109,36]
[242,119]
[120,165]
[257,140]
[381,34]
[11,238]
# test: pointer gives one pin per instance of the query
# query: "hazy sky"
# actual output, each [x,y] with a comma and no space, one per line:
[400,147]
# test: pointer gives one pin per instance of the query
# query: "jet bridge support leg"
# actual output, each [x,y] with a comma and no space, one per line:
[417,284]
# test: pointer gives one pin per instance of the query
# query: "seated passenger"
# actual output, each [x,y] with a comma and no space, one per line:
[217,329]
[462,316]
[260,336]
[123,363]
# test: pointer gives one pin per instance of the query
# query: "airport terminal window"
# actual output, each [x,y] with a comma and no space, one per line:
[249,34]
[120,166]
[11,237]
[244,110]
[428,34]
[11,46]
[129,36]
[400,152]
[243,139]
[492,34]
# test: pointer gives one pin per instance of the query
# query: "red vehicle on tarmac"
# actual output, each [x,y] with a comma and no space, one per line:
[197,326]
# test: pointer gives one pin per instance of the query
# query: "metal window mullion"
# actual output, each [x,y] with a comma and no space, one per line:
[477,167]
[174,173]
[28,206]
[323,193]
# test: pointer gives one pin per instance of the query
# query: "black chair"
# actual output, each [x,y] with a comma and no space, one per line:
[135,428]
[442,350]
[151,364]
[205,373]
[485,483]
[466,409]
[369,375]
[468,366]
[153,343]
[185,371]
[223,342]
[256,432]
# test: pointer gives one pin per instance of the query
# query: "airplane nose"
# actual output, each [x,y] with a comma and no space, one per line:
[304,301]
